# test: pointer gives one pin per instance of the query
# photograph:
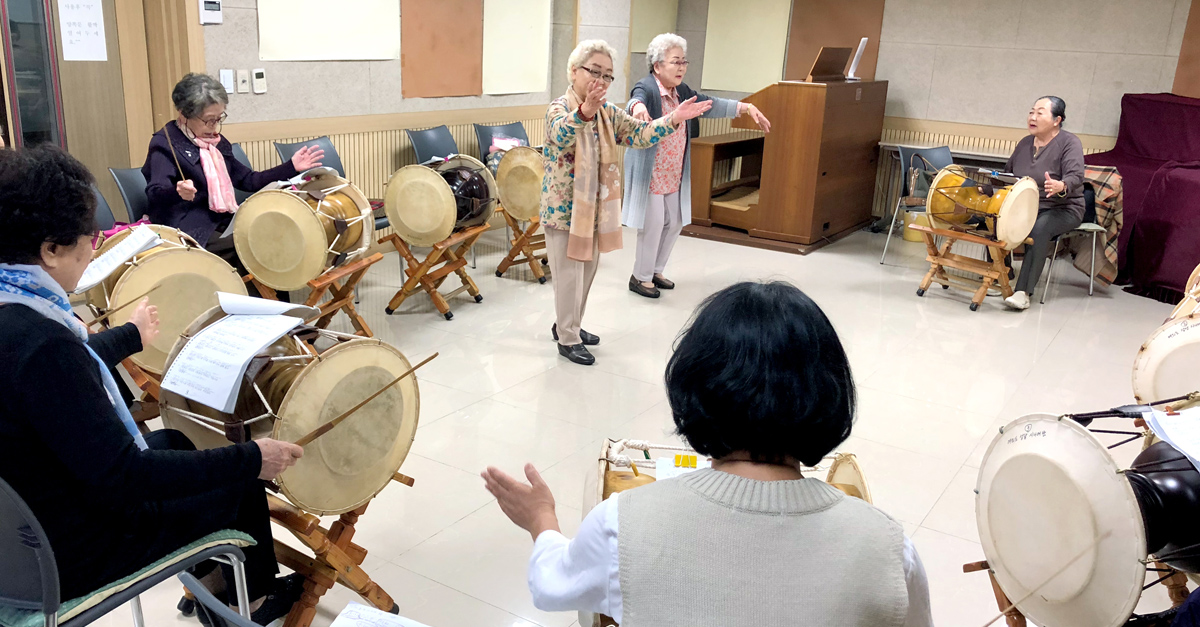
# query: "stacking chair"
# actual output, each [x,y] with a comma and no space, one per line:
[1087,227]
[104,215]
[938,158]
[29,582]
[330,160]
[239,153]
[132,186]
[432,142]
[485,133]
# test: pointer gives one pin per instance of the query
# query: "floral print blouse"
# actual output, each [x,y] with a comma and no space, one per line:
[558,153]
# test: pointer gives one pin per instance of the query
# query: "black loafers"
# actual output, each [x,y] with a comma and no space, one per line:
[577,354]
[588,338]
[663,283]
[636,287]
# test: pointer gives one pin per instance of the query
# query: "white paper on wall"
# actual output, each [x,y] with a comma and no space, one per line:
[516,46]
[744,47]
[317,30]
[81,23]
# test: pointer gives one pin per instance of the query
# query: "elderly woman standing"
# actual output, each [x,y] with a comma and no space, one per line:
[658,200]
[191,172]
[581,190]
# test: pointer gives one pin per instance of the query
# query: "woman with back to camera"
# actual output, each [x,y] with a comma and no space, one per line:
[760,383]
[1054,158]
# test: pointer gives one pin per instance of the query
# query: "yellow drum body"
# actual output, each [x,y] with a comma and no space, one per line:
[1010,211]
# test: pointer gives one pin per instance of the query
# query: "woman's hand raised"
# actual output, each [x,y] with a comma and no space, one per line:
[307,158]
[689,109]
[595,98]
[530,506]
[145,318]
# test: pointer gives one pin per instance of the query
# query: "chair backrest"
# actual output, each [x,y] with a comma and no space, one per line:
[938,157]
[25,550]
[1089,203]
[485,134]
[104,215]
[432,142]
[240,155]
[132,185]
[330,160]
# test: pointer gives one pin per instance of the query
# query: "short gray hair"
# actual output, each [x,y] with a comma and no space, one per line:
[585,50]
[656,51]
[196,92]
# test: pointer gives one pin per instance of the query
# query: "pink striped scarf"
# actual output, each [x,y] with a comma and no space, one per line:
[216,176]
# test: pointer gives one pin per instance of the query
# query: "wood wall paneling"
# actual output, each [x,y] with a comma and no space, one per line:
[841,24]
[175,45]
[1187,73]
[135,78]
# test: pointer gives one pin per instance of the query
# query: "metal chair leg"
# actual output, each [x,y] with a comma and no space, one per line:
[136,606]
[239,584]
[1050,275]
[891,227]
[1092,274]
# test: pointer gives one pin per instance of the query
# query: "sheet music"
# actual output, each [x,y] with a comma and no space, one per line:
[236,304]
[664,468]
[357,615]
[139,240]
[1181,430]
[209,369]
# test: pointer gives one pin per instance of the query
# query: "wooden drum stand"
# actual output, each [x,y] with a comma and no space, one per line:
[993,272]
[341,297]
[525,245]
[446,257]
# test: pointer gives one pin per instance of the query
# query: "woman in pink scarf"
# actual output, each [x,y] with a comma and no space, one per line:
[191,173]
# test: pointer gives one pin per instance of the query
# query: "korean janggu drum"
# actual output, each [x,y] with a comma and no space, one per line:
[519,181]
[426,204]
[293,231]
[181,279]
[1168,363]
[1009,211]
[1058,519]
[291,389]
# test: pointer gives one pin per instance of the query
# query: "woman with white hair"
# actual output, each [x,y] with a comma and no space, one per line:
[581,189]
[658,200]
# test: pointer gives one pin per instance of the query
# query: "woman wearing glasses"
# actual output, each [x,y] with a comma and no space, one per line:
[658,179]
[581,189]
[191,172]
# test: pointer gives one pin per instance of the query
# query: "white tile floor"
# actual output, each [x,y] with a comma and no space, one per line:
[935,381]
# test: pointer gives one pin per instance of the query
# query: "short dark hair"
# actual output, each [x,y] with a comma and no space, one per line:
[760,369]
[1058,108]
[45,196]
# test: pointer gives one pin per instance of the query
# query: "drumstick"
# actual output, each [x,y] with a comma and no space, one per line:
[1050,578]
[114,310]
[327,427]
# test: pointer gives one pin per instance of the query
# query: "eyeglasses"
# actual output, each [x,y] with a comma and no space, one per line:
[607,78]
[213,123]
[683,63]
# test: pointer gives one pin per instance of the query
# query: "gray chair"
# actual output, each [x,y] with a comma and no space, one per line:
[1087,227]
[485,133]
[938,158]
[432,142]
[29,582]
[330,160]
[239,153]
[104,215]
[132,186]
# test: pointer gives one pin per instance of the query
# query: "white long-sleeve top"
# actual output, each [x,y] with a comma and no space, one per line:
[582,573]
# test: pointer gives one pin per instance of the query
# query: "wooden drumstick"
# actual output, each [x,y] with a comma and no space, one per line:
[327,427]
[1050,578]
[114,310]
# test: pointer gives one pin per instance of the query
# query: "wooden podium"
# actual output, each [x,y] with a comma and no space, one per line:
[809,180]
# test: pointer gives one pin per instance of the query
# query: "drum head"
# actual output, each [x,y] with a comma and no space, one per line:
[419,205]
[493,192]
[1018,213]
[1168,364]
[346,467]
[280,239]
[1047,490]
[97,296]
[185,283]
[519,179]
[1193,282]
[846,475]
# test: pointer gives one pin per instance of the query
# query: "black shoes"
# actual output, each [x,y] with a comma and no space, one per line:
[636,287]
[279,603]
[663,283]
[577,354]
[588,338]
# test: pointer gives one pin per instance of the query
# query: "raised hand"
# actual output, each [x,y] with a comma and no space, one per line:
[689,109]
[307,158]
[530,506]
[145,318]
[595,98]
[1052,187]
[186,190]
[640,113]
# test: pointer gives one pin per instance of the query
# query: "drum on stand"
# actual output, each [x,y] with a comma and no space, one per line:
[1191,297]
[1009,211]
[302,389]
[1168,364]
[1066,532]
[289,234]
[426,204]
[178,276]
[519,182]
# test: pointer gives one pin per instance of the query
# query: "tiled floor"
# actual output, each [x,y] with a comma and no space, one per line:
[935,381]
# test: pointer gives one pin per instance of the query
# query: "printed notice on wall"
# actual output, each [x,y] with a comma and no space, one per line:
[82,24]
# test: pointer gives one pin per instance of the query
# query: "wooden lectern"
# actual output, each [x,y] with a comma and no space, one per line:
[808,180]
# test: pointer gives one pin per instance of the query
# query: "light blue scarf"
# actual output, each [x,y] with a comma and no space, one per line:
[34,288]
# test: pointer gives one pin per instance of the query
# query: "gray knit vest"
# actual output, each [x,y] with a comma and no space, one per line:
[714,549]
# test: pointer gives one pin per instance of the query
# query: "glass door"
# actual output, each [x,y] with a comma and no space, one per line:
[32,71]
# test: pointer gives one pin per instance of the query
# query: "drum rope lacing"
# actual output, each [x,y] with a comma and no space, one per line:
[362,216]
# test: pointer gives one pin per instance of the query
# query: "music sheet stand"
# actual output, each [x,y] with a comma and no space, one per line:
[446,257]
[525,245]
[830,65]
[341,296]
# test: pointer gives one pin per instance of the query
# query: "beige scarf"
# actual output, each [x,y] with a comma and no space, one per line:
[597,197]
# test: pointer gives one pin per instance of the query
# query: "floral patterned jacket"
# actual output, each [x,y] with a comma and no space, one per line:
[558,153]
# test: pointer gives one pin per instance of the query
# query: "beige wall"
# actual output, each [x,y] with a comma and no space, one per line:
[299,90]
[609,20]
[985,61]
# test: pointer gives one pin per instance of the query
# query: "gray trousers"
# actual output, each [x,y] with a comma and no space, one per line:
[1050,223]
[572,281]
[656,238]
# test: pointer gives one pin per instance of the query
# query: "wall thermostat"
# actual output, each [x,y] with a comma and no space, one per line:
[210,12]
[260,80]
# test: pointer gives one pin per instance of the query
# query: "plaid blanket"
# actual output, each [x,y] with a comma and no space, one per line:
[1106,181]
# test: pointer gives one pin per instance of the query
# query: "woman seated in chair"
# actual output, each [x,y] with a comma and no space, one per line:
[199,200]
[111,501]
[1054,158]
[759,383]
